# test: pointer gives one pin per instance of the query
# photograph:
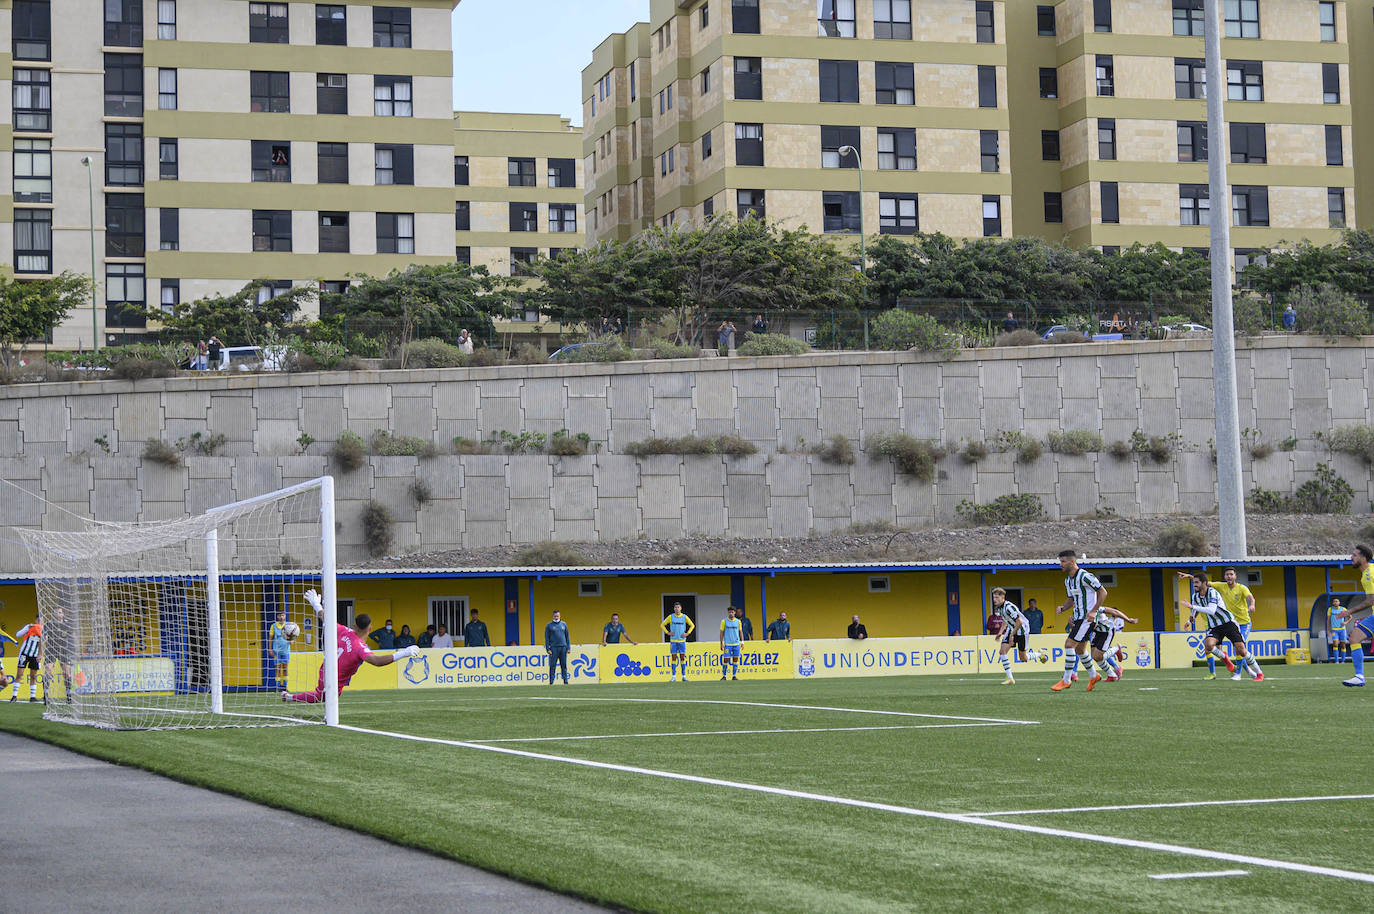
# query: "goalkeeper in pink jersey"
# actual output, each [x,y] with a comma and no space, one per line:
[351,645]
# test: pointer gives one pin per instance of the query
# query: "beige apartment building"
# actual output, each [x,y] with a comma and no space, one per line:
[186,147]
[519,188]
[1090,114]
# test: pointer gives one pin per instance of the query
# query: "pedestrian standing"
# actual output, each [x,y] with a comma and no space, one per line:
[557,640]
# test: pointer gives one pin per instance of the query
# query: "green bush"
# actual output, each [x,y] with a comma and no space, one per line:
[1019,338]
[773,344]
[527,354]
[1328,311]
[898,329]
[685,556]
[974,451]
[463,445]
[523,443]
[670,349]
[483,358]
[349,451]
[1180,539]
[376,521]
[729,445]
[1248,315]
[1028,449]
[432,353]
[874,527]
[385,444]
[202,443]
[1325,493]
[138,369]
[1007,509]
[837,449]
[1120,450]
[1352,439]
[606,349]
[564,443]
[159,451]
[1076,441]
[1069,336]
[913,456]
[1159,447]
[1267,501]
[549,554]
[421,492]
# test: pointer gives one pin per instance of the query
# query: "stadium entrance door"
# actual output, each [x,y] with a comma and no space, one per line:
[689,609]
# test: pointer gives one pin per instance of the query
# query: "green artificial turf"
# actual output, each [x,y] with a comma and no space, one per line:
[649,843]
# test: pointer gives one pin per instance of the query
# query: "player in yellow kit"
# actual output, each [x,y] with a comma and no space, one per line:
[1241,603]
[1359,616]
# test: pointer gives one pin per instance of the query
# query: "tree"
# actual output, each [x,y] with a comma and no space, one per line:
[31,308]
[1150,273]
[424,301]
[239,318]
[1348,265]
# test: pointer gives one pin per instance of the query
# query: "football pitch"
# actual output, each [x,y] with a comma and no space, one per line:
[1161,792]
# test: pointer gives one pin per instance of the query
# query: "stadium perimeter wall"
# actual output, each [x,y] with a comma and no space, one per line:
[54,439]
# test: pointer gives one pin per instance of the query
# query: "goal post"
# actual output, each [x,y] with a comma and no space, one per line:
[172,624]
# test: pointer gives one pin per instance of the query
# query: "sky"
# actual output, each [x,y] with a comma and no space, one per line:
[527,55]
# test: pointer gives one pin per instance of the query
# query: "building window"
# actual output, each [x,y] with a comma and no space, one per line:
[273,288]
[989,152]
[1049,145]
[1245,80]
[334,233]
[32,171]
[1193,205]
[744,17]
[271,230]
[168,229]
[331,24]
[1044,20]
[166,89]
[708,207]
[331,163]
[395,233]
[271,161]
[706,146]
[1049,82]
[667,163]
[31,23]
[520,172]
[462,216]
[706,81]
[896,83]
[390,27]
[563,217]
[1190,78]
[123,155]
[892,19]
[1189,17]
[33,240]
[331,93]
[167,159]
[32,98]
[267,23]
[749,203]
[896,148]
[749,78]
[463,255]
[1102,15]
[897,214]
[748,144]
[835,18]
[1335,146]
[833,139]
[1106,138]
[1106,75]
[125,231]
[269,91]
[1242,19]
[123,85]
[126,296]
[562,172]
[524,217]
[1331,83]
[1054,207]
[631,70]
[983,29]
[665,100]
[1111,210]
[840,210]
[1335,207]
[992,216]
[840,81]
[704,16]
[123,23]
[1250,205]
[391,96]
[521,260]
[171,294]
[460,171]
[987,87]
[1192,141]
[1244,258]
[1326,16]
[1247,143]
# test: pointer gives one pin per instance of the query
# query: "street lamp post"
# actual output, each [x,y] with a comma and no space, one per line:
[90,199]
[863,245]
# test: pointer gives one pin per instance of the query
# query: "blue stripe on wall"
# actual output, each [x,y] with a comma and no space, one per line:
[952,598]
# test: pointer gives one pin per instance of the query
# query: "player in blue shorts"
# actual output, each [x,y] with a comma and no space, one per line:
[677,626]
[1359,616]
[281,648]
[729,643]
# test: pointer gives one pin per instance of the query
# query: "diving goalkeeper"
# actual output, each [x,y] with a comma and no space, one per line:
[352,650]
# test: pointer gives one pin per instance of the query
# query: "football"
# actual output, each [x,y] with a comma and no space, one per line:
[1044,656]
[291,630]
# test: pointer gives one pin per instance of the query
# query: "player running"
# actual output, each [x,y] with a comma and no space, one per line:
[1085,595]
[677,626]
[1357,617]
[729,643]
[281,647]
[1106,623]
[351,646]
[1015,628]
[1240,603]
[1221,625]
[30,645]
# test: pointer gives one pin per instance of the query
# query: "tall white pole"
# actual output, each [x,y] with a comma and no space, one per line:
[329,597]
[1230,487]
[214,646]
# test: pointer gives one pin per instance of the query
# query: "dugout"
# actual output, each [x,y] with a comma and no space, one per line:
[1318,627]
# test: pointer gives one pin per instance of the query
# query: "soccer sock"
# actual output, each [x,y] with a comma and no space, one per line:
[33,688]
[1211,664]
[1069,663]
[1085,662]
[1116,664]
[1006,663]
[1105,666]
[1073,658]
[1357,657]
[1252,664]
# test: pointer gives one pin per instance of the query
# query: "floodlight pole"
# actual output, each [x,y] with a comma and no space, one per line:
[90,200]
[1230,486]
[863,242]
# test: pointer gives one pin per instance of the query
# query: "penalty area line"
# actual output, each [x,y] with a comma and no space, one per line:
[767,704]
[1261,801]
[557,739]
[1216,874]
[960,818]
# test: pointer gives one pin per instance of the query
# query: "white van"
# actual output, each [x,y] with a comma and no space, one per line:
[251,358]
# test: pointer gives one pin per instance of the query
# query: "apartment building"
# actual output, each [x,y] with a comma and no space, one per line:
[181,148]
[895,116]
[519,188]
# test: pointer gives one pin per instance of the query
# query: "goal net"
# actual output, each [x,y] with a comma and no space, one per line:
[175,624]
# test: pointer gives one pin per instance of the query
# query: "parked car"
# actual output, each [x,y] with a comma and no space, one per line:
[251,358]
[1191,328]
[562,355]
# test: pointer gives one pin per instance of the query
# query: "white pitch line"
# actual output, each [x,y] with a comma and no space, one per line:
[1181,805]
[1213,875]
[764,704]
[558,739]
[888,807]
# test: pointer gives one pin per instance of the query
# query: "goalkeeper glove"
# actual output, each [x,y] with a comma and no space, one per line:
[314,600]
[407,652]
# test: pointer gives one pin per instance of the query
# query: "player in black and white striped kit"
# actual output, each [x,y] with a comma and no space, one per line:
[30,645]
[1221,625]
[1085,594]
